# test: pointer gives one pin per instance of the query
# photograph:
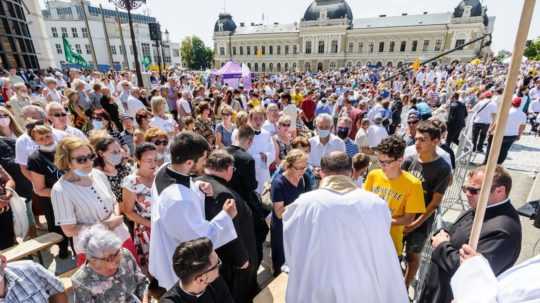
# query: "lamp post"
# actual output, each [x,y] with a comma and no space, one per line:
[129,5]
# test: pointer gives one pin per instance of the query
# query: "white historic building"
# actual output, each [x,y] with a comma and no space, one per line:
[66,19]
[328,37]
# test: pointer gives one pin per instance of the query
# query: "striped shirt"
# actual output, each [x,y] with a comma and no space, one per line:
[29,282]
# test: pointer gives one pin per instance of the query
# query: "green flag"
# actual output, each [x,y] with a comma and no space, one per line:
[146,61]
[72,56]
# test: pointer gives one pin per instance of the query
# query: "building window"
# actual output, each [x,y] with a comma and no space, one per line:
[381,47]
[222,51]
[78,48]
[241,50]
[360,47]
[334,47]
[113,49]
[263,50]
[64,32]
[403,46]
[308,47]
[84,31]
[438,44]
[351,47]
[278,50]
[308,67]
[425,47]
[249,65]
[121,48]
[332,65]
[59,49]
[459,43]
[176,53]
[286,66]
[414,45]
[54,32]
[294,66]
[256,50]
[248,50]
[88,49]
[271,67]
[270,50]
[371,48]
[286,49]
[295,49]
[74,32]
[392,46]
[263,67]
[321,47]
[256,67]
[234,50]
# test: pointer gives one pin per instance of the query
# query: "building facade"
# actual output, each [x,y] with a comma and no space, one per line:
[16,46]
[66,19]
[328,38]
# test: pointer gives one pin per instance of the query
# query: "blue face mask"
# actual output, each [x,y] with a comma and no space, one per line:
[323,133]
[81,173]
[97,124]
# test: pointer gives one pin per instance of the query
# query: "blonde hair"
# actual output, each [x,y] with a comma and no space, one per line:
[284,120]
[40,130]
[96,135]
[226,109]
[292,157]
[257,110]
[153,133]
[155,102]
[66,146]
[15,128]
[241,119]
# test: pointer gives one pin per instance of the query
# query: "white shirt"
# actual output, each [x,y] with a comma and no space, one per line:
[328,262]
[474,282]
[534,107]
[292,112]
[270,127]
[483,113]
[134,105]
[319,150]
[375,134]
[534,93]
[25,146]
[75,132]
[516,118]
[167,125]
[361,139]
[185,105]
[178,216]
[262,143]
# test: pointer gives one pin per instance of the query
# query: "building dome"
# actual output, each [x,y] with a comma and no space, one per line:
[476,9]
[328,9]
[225,23]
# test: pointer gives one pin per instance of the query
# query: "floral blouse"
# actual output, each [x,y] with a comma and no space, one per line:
[128,285]
[123,171]
[206,129]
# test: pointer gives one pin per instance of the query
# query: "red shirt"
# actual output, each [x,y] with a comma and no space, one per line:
[308,107]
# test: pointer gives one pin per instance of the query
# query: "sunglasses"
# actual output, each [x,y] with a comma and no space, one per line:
[285,125]
[412,122]
[59,115]
[218,265]
[161,142]
[470,189]
[226,114]
[84,159]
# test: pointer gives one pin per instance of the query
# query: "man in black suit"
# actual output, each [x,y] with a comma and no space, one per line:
[239,256]
[244,183]
[500,238]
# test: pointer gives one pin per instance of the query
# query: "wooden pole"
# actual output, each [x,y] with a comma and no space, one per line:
[502,117]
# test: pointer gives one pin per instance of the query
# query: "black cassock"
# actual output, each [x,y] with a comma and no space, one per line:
[242,282]
[500,244]
[216,292]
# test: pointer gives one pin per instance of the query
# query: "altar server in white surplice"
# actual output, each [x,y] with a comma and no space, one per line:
[178,213]
[263,149]
[337,243]
[475,282]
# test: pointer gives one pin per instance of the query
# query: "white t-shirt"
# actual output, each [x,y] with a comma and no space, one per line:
[25,146]
[73,131]
[318,150]
[292,112]
[516,117]
[375,134]
[185,105]
[534,107]
[483,113]
[166,125]
[361,139]
[134,105]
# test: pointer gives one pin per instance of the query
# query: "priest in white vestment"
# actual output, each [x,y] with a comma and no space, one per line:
[337,243]
[262,149]
[475,282]
[178,212]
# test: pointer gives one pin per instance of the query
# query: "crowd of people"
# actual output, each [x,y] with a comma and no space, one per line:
[169,192]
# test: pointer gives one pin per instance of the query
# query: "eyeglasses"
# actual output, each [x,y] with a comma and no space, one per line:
[386,163]
[303,168]
[84,159]
[285,125]
[218,265]
[111,258]
[412,122]
[470,189]
[161,142]
[4,116]
[226,114]
[59,115]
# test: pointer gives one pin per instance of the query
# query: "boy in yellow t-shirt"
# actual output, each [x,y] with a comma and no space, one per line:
[402,191]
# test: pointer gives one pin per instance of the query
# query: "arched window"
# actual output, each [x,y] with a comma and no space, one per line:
[286,66]
[249,65]
[256,67]
[271,67]
[321,47]
[278,67]
[263,67]
[294,66]
[332,65]
[308,67]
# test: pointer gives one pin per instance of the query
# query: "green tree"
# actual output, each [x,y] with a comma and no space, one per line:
[196,55]
[532,50]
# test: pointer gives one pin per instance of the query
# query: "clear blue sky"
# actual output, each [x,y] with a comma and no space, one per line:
[197,17]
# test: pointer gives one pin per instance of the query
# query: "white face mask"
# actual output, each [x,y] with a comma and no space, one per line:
[323,133]
[81,173]
[5,121]
[114,159]
[48,148]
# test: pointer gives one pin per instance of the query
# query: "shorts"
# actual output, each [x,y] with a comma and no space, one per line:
[415,240]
